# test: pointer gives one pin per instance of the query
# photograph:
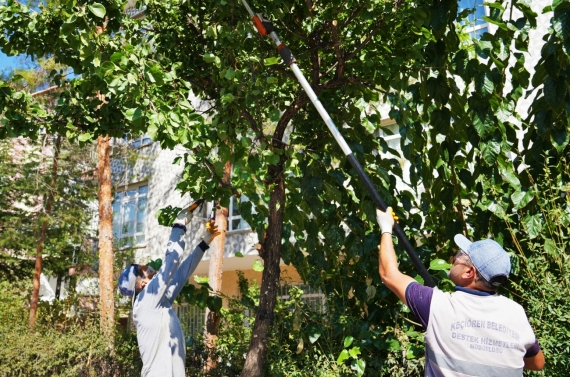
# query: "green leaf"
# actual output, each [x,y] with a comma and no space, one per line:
[511,178]
[97,9]
[359,366]
[227,98]
[257,266]
[370,127]
[133,114]
[354,352]
[439,264]
[271,61]
[533,225]
[441,120]
[116,57]
[342,357]
[314,333]
[152,131]
[272,80]
[550,247]
[84,137]
[393,345]
[209,58]
[522,198]
[348,341]
[167,215]
[230,74]
[214,303]
[239,254]
[559,138]
[201,279]
[155,264]
[489,151]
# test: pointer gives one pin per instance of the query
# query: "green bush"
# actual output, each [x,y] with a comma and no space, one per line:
[305,342]
[62,343]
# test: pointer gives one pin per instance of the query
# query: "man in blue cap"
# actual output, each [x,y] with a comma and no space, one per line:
[472,331]
[159,333]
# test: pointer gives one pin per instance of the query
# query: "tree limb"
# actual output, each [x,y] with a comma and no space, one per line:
[45,91]
[340,61]
[254,125]
[368,38]
[353,15]
[298,103]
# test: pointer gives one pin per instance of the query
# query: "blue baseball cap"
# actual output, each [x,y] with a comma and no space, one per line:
[488,257]
[128,279]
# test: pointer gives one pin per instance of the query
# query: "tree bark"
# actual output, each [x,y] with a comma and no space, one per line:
[58,286]
[215,273]
[106,257]
[271,255]
[42,236]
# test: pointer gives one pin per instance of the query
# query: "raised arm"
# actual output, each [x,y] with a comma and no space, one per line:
[396,281]
[185,270]
[155,290]
[189,264]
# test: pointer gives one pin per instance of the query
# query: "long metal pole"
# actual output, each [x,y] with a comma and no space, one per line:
[265,28]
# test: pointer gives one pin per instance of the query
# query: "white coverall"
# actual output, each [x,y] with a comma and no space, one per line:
[159,333]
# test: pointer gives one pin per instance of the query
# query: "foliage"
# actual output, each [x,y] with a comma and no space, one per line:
[484,161]
[456,100]
[73,347]
[25,184]
[537,236]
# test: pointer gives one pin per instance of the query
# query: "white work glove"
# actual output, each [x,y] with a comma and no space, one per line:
[211,233]
[184,217]
[386,220]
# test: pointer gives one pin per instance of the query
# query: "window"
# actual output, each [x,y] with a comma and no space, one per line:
[314,298]
[475,23]
[129,216]
[235,222]
[392,137]
[136,141]
[140,141]
[191,318]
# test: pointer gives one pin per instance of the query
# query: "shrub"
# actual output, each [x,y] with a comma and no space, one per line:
[62,343]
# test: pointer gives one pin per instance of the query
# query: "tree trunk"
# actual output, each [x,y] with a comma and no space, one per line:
[58,286]
[215,273]
[106,296]
[271,255]
[42,236]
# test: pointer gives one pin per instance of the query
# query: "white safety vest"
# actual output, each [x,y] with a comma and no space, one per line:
[471,335]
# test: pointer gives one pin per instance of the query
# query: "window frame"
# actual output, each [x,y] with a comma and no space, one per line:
[474,29]
[124,200]
[232,218]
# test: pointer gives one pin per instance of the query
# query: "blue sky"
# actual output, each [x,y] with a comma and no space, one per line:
[9,62]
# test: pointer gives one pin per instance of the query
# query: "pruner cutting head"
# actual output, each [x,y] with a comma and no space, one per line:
[195,204]
[261,21]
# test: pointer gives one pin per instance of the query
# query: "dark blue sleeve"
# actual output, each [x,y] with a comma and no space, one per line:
[418,298]
[533,350]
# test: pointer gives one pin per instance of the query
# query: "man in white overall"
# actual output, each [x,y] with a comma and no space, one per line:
[159,333]
[472,331]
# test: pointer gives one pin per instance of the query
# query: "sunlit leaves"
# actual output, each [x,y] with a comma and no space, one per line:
[439,264]
[97,9]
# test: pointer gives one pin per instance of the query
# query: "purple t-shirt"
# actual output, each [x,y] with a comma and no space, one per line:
[418,298]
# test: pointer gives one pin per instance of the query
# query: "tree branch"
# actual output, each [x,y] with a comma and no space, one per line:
[354,14]
[298,103]
[283,71]
[45,91]
[340,61]
[256,127]
[368,38]
[356,81]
